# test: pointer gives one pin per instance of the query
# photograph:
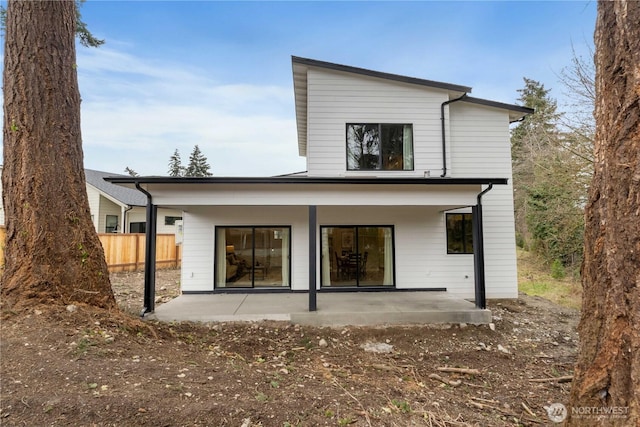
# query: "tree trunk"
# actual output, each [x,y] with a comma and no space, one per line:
[607,373]
[52,252]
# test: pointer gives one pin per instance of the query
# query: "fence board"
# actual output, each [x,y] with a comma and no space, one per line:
[126,252]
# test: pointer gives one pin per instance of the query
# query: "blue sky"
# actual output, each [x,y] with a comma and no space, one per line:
[173,74]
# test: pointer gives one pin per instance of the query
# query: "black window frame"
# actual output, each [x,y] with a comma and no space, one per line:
[140,225]
[356,239]
[111,229]
[467,230]
[253,256]
[382,151]
[171,220]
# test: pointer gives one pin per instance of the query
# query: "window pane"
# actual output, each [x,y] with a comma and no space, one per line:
[270,263]
[111,224]
[459,233]
[253,256]
[363,147]
[372,146]
[392,147]
[238,253]
[407,147]
[468,233]
[171,220]
[137,227]
[357,256]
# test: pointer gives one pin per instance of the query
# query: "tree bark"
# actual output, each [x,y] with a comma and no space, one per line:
[52,252]
[607,373]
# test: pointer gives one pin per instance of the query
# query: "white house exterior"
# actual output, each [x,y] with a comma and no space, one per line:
[117,209]
[408,187]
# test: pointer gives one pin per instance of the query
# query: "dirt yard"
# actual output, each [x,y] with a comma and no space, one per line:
[76,366]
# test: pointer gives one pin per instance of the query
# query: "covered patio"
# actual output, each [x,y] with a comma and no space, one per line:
[200,301]
[333,308]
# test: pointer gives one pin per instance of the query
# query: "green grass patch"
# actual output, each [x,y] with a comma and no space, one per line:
[536,278]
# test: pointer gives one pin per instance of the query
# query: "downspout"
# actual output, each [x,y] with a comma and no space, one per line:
[444,145]
[150,255]
[124,219]
[478,251]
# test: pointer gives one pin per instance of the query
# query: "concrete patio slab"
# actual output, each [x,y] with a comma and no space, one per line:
[334,309]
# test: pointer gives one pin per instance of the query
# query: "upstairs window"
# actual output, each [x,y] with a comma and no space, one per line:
[376,146]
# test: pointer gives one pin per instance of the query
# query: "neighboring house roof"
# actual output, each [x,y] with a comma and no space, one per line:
[301,65]
[126,196]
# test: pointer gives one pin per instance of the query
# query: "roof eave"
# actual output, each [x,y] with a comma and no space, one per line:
[307,180]
[516,112]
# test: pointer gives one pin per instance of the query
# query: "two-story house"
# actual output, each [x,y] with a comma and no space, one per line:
[408,186]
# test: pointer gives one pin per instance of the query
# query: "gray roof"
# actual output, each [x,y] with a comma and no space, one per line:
[127,196]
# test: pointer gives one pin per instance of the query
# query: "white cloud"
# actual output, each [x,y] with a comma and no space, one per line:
[136,113]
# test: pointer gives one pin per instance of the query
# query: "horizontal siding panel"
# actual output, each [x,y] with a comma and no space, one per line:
[420,246]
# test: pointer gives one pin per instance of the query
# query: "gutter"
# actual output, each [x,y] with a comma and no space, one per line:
[478,251]
[150,255]
[483,192]
[124,218]
[444,145]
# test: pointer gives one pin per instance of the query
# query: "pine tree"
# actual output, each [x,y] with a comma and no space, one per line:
[607,371]
[175,165]
[549,181]
[52,259]
[198,166]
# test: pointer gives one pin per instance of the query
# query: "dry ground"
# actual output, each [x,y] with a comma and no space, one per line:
[66,366]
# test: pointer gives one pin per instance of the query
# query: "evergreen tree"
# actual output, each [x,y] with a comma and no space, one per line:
[549,181]
[535,132]
[82,32]
[607,371]
[49,259]
[198,166]
[175,165]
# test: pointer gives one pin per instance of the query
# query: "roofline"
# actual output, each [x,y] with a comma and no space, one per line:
[496,104]
[306,180]
[110,197]
[379,74]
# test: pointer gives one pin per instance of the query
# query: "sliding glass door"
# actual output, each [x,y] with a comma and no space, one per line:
[248,257]
[357,256]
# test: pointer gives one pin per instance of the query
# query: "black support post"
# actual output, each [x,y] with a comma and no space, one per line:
[149,299]
[478,257]
[312,258]
[150,260]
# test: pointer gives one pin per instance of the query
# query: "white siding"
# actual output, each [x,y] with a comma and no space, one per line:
[199,240]
[335,99]
[139,214]
[301,194]
[480,147]
[94,204]
[421,257]
[107,207]
[477,146]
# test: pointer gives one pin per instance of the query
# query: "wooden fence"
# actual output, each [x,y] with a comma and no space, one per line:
[126,252]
